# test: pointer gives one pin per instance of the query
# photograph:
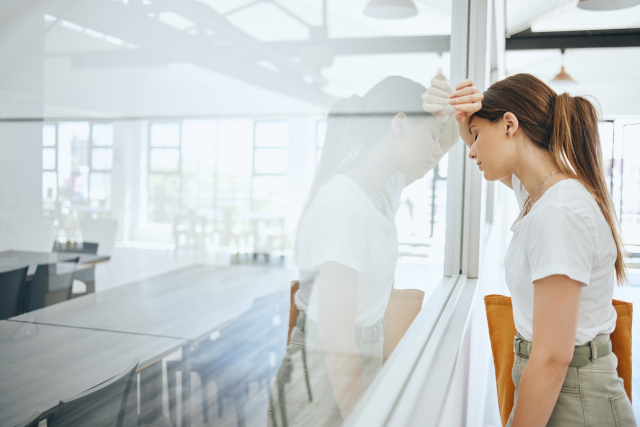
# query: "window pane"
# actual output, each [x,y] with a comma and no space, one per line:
[100,186]
[235,147]
[165,159]
[164,197]
[165,135]
[630,209]
[272,134]
[49,135]
[73,160]
[198,146]
[49,187]
[49,158]
[102,159]
[102,134]
[271,161]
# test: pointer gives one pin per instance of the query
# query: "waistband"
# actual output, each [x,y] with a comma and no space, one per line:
[584,354]
[363,334]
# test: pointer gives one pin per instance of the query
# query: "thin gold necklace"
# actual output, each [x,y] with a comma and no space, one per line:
[532,200]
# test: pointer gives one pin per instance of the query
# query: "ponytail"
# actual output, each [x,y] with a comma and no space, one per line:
[575,144]
[564,125]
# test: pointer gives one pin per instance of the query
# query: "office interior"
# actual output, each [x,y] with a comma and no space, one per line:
[155,158]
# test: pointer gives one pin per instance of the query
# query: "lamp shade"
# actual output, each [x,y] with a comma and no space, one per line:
[390,9]
[607,4]
[563,77]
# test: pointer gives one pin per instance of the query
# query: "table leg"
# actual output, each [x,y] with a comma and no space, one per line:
[186,386]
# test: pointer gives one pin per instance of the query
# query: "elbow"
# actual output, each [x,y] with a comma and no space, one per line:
[554,360]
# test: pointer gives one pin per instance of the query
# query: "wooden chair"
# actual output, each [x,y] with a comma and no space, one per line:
[12,285]
[101,406]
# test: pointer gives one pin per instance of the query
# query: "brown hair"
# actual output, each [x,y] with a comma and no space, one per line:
[564,125]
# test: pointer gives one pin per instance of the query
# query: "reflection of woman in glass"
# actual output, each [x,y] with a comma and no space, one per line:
[564,253]
[347,245]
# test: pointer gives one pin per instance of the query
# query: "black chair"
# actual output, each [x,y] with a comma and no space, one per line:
[86,275]
[32,421]
[51,284]
[240,356]
[77,247]
[100,406]
[12,292]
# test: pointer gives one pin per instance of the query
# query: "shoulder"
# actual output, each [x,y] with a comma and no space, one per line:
[567,206]
[341,198]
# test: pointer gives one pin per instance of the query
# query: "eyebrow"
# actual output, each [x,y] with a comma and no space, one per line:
[470,127]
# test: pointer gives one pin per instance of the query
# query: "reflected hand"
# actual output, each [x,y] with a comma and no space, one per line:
[436,100]
[466,100]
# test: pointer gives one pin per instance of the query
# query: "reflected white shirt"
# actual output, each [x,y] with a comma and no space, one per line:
[342,225]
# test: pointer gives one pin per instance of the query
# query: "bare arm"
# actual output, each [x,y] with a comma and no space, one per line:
[556,304]
[337,306]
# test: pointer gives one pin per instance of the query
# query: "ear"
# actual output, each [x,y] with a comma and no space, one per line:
[510,123]
[397,123]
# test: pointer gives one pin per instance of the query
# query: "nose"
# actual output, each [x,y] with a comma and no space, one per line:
[472,152]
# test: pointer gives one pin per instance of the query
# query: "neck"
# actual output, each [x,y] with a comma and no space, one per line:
[371,173]
[532,166]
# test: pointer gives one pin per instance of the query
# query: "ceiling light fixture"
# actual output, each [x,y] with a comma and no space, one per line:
[607,4]
[390,9]
[563,77]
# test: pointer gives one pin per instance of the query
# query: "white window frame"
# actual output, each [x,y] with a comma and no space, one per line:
[411,388]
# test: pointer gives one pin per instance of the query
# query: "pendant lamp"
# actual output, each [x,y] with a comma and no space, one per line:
[607,4]
[390,9]
[563,77]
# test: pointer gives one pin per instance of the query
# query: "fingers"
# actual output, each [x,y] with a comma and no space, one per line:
[476,97]
[442,85]
[469,108]
[432,90]
[464,84]
[465,91]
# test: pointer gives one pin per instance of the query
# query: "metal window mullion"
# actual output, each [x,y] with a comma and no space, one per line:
[456,171]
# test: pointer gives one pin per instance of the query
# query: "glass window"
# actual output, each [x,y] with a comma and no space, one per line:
[165,135]
[102,134]
[271,161]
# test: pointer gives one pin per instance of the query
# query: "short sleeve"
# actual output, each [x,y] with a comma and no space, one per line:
[339,234]
[519,190]
[560,242]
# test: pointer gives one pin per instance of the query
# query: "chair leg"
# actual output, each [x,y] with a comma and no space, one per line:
[240,416]
[205,398]
[172,370]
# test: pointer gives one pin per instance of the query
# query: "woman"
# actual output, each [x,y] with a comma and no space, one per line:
[564,252]
[347,245]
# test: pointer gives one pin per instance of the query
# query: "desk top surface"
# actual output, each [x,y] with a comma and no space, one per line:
[11,260]
[42,364]
[188,303]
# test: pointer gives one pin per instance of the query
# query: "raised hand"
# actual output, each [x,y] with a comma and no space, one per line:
[466,100]
[436,100]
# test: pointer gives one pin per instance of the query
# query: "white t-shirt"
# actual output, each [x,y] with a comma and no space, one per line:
[564,233]
[342,225]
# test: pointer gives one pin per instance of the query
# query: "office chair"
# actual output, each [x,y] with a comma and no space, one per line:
[12,284]
[101,406]
[51,284]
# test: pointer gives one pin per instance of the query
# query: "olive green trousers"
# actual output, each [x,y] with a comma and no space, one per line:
[591,396]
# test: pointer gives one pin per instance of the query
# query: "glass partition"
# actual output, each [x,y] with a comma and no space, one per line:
[253,190]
